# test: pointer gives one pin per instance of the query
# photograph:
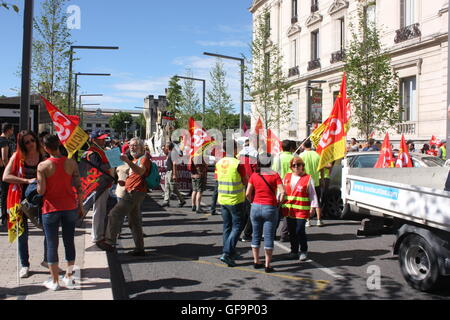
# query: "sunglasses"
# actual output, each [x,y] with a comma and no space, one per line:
[297,165]
[29,141]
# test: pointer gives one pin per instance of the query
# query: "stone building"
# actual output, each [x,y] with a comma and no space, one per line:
[98,118]
[313,35]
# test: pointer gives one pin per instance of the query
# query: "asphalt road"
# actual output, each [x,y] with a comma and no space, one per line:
[182,263]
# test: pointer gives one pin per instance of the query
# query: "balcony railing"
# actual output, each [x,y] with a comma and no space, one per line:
[314,8]
[314,64]
[337,56]
[407,33]
[406,128]
[294,71]
[294,20]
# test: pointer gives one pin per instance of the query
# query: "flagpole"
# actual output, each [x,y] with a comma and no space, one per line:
[17,246]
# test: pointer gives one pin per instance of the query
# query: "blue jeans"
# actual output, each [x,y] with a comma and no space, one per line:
[297,234]
[233,221]
[264,219]
[51,222]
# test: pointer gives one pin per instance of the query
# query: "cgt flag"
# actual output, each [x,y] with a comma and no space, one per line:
[331,145]
[13,200]
[403,158]
[70,134]
[386,158]
[273,143]
[200,139]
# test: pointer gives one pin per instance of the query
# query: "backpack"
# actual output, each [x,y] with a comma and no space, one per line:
[153,179]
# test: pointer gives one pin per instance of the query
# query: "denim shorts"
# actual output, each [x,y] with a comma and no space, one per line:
[51,222]
[264,220]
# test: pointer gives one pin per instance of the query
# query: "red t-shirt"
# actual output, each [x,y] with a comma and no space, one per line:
[137,182]
[264,195]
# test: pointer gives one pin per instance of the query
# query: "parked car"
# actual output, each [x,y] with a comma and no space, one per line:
[333,205]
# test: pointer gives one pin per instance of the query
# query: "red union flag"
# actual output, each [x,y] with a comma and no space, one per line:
[403,157]
[70,134]
[273,143]
[259,126]
[331,145]
[386,158]
[199,138]
[434,141]
[13,200]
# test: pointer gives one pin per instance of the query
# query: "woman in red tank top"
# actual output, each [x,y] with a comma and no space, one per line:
[61,206]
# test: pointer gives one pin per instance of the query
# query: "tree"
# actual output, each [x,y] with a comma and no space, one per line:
[7,5]
[117,122]
[140,125]
[232,120]
[219,100]
[190,106]
[51,46]
[174,99]
[372,84]
[269,86]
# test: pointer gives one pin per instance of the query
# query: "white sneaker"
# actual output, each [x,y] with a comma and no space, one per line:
[49,284]
[308,223]
[24,272]
[69,283]
[303,256]
[319,223]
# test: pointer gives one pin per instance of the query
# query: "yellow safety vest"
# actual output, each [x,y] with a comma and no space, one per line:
[231,190]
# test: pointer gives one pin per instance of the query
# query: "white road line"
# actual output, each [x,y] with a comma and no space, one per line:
[317,265]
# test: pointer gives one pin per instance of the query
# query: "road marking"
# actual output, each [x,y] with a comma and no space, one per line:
[317,265]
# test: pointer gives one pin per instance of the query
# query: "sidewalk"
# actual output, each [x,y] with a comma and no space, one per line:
[93,283]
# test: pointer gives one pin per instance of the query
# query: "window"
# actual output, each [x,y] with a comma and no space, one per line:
[341,23]
[88,125]
[407,13]
[294,9]
[314,5]
[408,98]
[267,24]
[294,53]
[98,125]
[107,125]
[370,14]
[315,45]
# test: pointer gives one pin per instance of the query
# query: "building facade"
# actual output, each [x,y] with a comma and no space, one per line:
[313,35]
[98,119]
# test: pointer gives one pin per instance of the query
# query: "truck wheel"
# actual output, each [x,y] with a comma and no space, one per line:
[333,204]
[418,263]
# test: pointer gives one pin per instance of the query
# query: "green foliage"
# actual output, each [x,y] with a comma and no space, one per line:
[372,84]
[220,105]
[269,86]
[190,104]
[117,121]
[140,125]
[232,121]
[7,6]
[51,46]
[174,99]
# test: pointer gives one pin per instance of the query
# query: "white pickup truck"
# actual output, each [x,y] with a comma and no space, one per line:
[414,201]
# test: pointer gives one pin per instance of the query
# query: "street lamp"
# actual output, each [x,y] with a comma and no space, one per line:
[204,91]
[76,84]
[26,65]
[242,60]
[126,129]
[70,67]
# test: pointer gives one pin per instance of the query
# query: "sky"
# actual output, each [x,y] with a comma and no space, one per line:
[157,39]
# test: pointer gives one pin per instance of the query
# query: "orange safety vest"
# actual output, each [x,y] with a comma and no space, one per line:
[298,203]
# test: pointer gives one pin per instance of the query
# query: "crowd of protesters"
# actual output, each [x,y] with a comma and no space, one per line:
[258,193]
